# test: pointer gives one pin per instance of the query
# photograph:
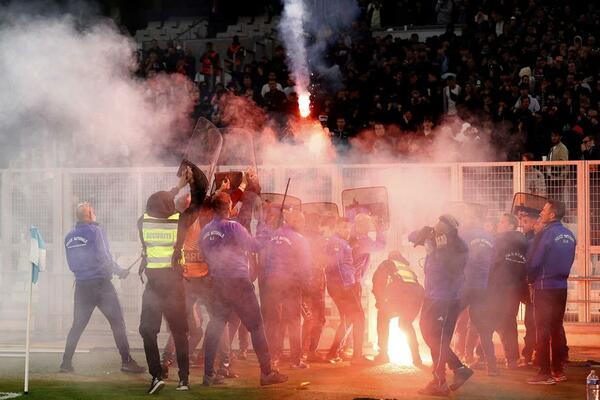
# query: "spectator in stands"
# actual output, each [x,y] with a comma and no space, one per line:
[274,99]
[190,63]
[340,133]
[444,10]
[558,151]
[272,78]
[589,151]
[451,95]
[374,11]
[209,62]
[534,105]
[236,53]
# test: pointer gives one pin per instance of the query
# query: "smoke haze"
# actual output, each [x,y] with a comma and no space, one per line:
[71,87]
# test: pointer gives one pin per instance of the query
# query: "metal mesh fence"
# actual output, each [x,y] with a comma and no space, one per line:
[492,186]
[416,195]
[594,204]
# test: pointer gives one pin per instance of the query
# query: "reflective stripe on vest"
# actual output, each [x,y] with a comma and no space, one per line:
[404,273]
[160,235]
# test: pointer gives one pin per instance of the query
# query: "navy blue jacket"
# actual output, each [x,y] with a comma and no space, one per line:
[362,247]
[88,254]
[339,265]
[225,245]
[479,262]
[552,255]
[444,265]
[508,267]
[287,255]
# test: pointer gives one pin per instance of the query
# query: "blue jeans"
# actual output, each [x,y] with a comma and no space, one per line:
[235,295]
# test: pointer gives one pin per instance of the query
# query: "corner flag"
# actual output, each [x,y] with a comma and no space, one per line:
[37,253]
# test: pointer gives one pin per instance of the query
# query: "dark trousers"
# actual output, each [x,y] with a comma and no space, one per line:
[507,324]
[282,310]
[89,295]
[235,295]
[502,318]
[438,319]
[550,307]
[405,322]
[197,293]
[479,318]
[530,332]
[347,300]
[164,295]
[314,321]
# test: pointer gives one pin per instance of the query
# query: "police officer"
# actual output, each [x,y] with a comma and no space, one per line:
[164,293]
[314,295]
[527,220]
[444,275]
[397,294]
[345,291]
[225,245]
[506,286]
[552,256]
[477,271]
[195,214]
[287,266]
[89,259]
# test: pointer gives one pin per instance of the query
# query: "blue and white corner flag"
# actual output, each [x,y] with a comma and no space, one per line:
[37,253]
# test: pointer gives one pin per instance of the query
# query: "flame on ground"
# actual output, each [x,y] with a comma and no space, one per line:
[304,104]
[398,349]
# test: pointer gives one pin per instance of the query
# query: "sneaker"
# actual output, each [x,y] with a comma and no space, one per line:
[273,378]
[461,375]
[433,388]
[211,380]
[334,359]
[559,376]
[242,355]
[132,367]
[300,365]
[542,379]
[156,385]
[183,386]
[66,367]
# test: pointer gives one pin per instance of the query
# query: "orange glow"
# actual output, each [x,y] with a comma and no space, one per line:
[317,143]
[304,104]
[398,349]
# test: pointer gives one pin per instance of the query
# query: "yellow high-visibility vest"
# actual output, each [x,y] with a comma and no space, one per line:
[404,272]
[160,235]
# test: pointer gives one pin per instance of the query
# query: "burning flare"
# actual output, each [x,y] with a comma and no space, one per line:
[398,349]
[304,104]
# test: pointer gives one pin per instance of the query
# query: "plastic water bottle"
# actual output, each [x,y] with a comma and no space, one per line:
[592,386]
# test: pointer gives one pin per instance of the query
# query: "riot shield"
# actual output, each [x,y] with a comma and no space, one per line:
[372,201]
[323,209]
[238,149]
[527,203]
[201,154]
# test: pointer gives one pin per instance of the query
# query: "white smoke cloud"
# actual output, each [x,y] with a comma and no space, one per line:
[291,28]
[71,88]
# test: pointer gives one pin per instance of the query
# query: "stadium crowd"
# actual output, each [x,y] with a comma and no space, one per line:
[523,74]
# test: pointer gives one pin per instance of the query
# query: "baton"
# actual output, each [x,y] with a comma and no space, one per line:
[283,202]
